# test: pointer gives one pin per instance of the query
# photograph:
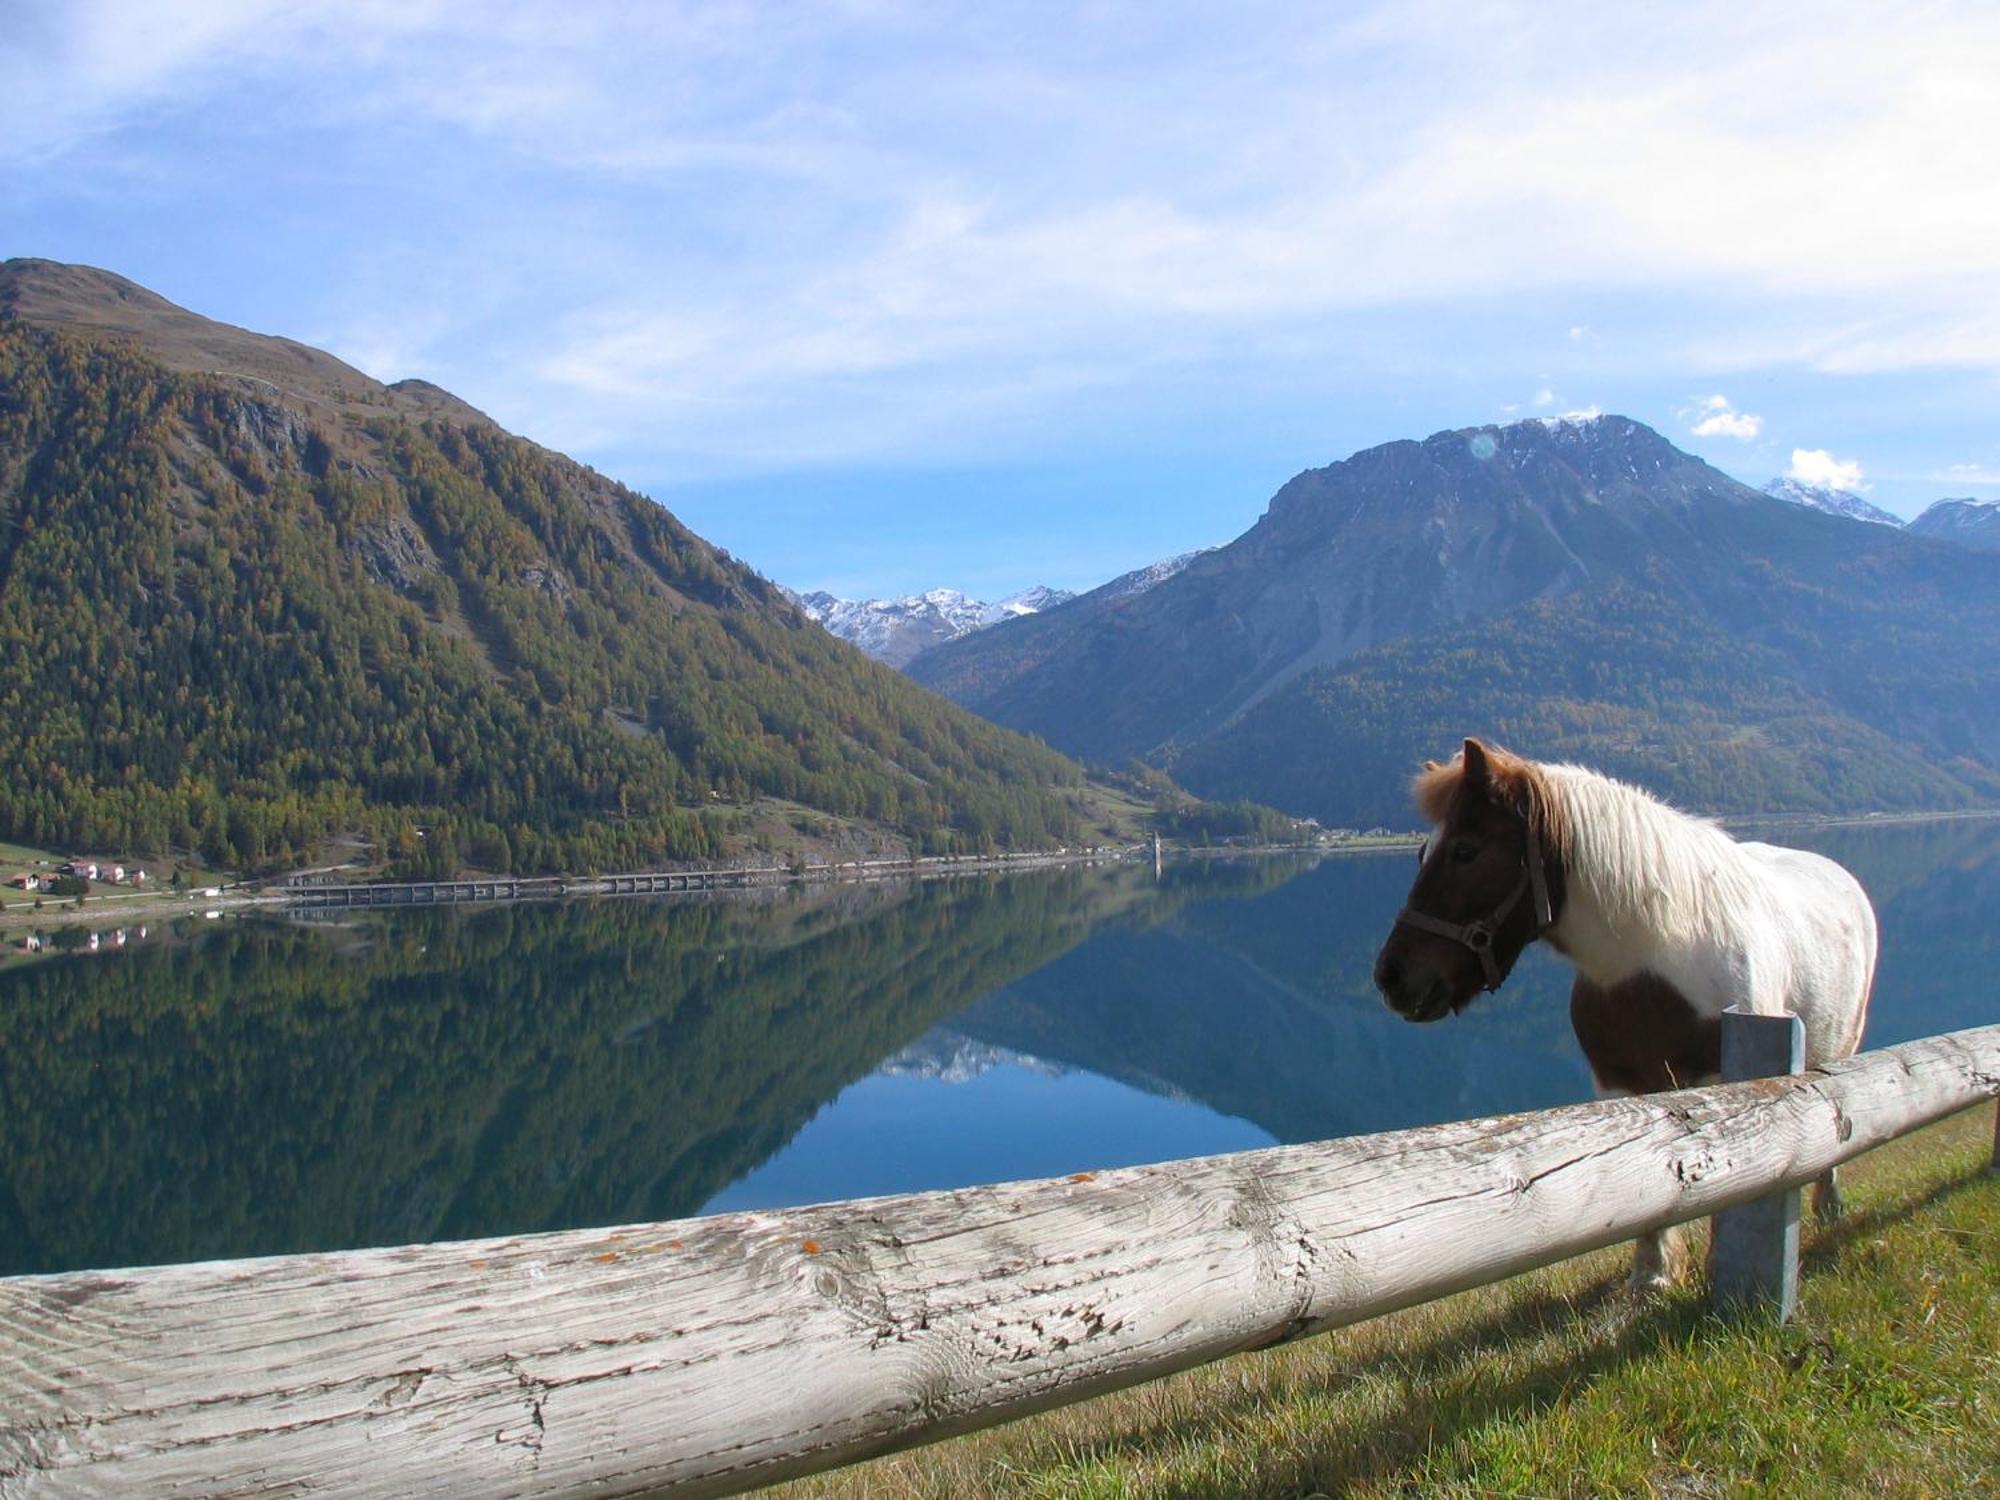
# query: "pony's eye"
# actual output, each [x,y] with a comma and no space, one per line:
[1464,851]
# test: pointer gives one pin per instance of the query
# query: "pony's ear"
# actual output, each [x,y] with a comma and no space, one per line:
[1431,765]
[1477,771]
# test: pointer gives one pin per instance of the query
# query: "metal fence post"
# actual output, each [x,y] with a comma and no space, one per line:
[1755,1260]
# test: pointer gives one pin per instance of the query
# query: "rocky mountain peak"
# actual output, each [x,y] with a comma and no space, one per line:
[94,304]
[1969,522]
[1399,539]
[1833,502]
[897,631]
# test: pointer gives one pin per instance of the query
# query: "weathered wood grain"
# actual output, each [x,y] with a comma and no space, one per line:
[711,1355]
[1753,1259]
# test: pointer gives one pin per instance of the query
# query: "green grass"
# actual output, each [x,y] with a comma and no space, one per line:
[22,856]
[1556,1384]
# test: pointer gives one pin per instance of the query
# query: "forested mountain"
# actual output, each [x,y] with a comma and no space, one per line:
[250,597]
[1575,588]
[1970,523]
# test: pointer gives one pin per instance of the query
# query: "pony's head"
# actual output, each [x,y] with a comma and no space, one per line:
[1489,882]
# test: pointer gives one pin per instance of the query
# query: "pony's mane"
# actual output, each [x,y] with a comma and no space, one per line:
[1519,784]
[1647,867]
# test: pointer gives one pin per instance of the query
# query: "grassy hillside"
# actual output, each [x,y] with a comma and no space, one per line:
[238,615]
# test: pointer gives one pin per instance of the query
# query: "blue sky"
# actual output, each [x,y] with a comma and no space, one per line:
[882,296]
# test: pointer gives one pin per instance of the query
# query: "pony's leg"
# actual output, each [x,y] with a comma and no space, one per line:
[1828,1204]
[1656,1257]
[1656,1262]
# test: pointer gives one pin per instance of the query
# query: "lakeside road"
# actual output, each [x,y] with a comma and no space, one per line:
[104,908]
[113,906]
[108,907]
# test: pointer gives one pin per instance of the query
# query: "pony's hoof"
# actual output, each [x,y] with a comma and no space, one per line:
[1645,1286]
[1829,1207]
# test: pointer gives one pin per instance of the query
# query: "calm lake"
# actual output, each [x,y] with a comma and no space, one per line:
[265,1086]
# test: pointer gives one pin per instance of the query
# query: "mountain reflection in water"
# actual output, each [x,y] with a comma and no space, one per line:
[271,1087]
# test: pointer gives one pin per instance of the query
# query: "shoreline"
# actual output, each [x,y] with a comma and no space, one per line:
[112,908]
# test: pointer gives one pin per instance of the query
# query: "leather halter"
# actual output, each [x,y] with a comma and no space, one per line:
[1479,933]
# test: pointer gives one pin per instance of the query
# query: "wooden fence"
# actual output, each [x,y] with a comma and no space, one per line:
[712,1355]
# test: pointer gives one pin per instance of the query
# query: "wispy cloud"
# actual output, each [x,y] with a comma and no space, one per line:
[773,229]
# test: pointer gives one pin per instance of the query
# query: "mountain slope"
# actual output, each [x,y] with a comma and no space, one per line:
[1629,680]
[1576,588]
[1970,523]
[1833,502]
[249,597]
[1394,540]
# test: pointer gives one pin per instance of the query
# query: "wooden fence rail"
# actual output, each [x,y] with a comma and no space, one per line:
[712,1355]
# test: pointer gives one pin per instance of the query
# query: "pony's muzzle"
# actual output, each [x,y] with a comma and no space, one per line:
[1414,999]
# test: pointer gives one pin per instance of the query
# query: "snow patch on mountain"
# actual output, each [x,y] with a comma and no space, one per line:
[1139,580]
[1970,523]
[898,630]
[949,1057]
[1833,502]
[1569,421]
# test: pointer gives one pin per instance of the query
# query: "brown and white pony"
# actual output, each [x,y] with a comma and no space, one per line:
[1667,920]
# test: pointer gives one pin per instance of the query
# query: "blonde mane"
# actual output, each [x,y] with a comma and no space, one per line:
[1521,785]
[1649,870]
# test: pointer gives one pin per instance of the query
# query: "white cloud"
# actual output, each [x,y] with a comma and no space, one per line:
[1820,469]
[1716,416]
[783,211]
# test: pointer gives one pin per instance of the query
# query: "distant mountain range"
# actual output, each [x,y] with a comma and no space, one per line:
[1578,588]
[898,631]
[254,598]
[1969,523]
[1833,502]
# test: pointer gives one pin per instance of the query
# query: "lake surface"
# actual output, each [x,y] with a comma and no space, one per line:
[267,1086]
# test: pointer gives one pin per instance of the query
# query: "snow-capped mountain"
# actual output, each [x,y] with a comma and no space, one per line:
[1399,540]
[1833,502]
[1127,585]
[898,630]
[1970,523]
[947,1056]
